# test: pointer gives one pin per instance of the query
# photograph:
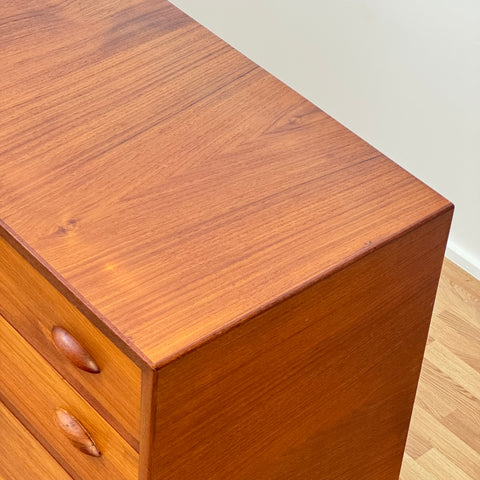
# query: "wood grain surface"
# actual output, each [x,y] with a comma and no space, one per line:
[444,441]
[173,185]
[36,390]
[21,456]
[33,306]
[321,386]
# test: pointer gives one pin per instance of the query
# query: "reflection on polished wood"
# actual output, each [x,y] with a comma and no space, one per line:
[444,439]
[172,183]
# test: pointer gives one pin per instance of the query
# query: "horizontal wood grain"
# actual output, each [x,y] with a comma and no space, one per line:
[34,307]
[321,386]
[21,456]
[169,182]
[37,391]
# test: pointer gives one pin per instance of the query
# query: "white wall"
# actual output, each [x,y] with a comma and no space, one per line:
[403,75]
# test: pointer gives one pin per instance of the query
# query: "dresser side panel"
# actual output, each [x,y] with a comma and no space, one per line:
[321,385]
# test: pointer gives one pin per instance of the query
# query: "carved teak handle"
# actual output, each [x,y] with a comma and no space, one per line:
[76,432]
[73,350]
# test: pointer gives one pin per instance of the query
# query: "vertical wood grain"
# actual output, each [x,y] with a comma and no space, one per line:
[148,419]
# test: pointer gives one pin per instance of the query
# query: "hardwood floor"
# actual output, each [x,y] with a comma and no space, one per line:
[444,438]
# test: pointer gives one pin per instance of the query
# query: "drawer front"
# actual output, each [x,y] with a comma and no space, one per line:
[30,303]
[21,456]
[38,391]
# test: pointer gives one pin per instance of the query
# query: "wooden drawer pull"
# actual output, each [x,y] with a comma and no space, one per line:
[76,432]
[73,350]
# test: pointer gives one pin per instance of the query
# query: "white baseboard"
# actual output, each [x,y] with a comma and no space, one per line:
[464,261]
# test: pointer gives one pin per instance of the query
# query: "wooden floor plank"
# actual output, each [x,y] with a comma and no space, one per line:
[435,391]
[414,471]
[446,442]
[459,335]
[444,438]
[439,395]
[440,467]
[464,375]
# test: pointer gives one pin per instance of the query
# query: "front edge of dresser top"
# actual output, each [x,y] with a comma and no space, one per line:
[170,186]
[320,383]
[284,336]
[319,386]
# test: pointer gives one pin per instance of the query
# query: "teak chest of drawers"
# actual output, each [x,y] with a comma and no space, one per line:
[202,275]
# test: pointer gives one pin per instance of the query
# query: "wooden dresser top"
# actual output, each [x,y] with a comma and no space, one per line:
[171,184]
